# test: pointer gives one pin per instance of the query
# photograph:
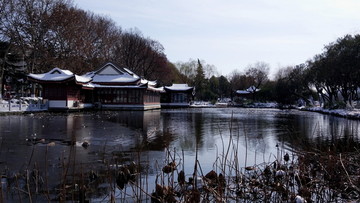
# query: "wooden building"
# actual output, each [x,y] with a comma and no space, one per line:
[177,95]
[62,89]
[249,93]
[110,87]
[119,88]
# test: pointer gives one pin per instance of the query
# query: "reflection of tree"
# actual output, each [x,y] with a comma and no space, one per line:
[148,124]
[198,125]
[131,119]
[186,127]
[314,131]
[159,141]
[257,143]
[293,130]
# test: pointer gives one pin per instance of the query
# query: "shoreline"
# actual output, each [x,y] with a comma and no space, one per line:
[344,113]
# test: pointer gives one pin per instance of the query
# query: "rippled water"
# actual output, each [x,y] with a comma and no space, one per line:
[45,140]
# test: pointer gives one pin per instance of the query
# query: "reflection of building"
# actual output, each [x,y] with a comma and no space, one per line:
[109,87]
[177,95]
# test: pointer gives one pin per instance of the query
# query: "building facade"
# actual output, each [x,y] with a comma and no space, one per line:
[110,87]
[119,88]
[177,95]
[62,89]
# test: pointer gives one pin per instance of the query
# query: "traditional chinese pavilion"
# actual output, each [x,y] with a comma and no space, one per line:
[62,89]
[177,95]
[119,88]
[110,87]
[247,94]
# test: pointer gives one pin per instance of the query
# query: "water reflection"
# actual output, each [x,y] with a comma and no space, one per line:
[47,139]
[302,129]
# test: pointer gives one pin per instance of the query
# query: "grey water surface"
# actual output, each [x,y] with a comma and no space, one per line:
[46,140]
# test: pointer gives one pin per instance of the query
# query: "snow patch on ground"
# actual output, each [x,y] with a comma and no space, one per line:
[347,113]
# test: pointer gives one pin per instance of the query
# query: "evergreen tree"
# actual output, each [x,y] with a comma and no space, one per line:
[224,87]
[212,89]
[199,82]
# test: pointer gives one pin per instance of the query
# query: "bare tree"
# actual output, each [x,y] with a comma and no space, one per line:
[188,70]
[25,26]
[259,72]
[55,33]
[143,56]
[85,39]
[283,72]
[3,13]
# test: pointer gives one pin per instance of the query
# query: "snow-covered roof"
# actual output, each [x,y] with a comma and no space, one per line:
[178,87]
[131,73]
[109,73]
[157,89]
[150,83]
[249,90]
[252,89]
[124,78]
[82,79]
[242,92]
[56,74]
[109,76]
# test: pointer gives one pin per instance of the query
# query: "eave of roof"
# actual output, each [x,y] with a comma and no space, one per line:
[178,89]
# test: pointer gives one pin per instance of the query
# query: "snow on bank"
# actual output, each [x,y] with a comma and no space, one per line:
[202,104]
[346,113]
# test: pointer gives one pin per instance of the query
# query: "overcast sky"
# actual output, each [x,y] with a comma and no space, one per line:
[231,34]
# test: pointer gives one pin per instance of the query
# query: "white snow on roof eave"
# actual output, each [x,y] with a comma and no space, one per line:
[50,77]
[144,81]
[242,92]
[82,79]
[152,83]
[115,86]
[90,85]
[179,87]
[132,73]
[110,79]
[67,72]
[89,74]
[158,89]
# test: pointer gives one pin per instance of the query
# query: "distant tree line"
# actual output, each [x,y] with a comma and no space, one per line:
[331,76]
[210,86]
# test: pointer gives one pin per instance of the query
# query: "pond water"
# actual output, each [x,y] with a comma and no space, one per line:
[49,141]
